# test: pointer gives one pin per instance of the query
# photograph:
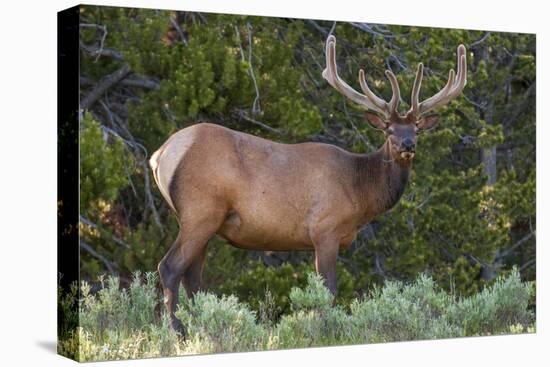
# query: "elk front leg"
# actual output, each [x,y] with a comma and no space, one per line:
[326,252]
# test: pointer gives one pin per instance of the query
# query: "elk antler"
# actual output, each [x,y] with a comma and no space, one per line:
[455,85]
[369,100]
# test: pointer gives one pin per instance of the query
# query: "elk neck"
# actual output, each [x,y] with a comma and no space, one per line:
[380,180]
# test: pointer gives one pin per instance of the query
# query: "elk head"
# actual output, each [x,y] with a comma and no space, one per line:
[401,130]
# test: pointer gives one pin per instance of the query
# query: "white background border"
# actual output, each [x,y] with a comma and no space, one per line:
[28,181]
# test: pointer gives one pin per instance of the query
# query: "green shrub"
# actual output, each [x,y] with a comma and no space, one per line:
[495,309]
[402,312]
[299,330]
[121,309]
[220,324]
[154,341]
[314,322]
[314,296]
[120,323]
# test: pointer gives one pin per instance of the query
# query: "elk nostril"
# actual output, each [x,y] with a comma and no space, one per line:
[408,145]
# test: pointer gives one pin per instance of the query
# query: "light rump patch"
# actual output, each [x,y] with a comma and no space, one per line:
[165,160]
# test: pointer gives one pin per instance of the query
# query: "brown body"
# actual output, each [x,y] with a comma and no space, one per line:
[263,195]
[278,197]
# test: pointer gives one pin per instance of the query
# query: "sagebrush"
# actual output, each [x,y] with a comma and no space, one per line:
[124,323]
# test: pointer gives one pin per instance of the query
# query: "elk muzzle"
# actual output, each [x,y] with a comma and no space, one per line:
[407,148]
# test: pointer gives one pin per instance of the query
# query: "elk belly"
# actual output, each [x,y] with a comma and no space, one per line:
[261,234]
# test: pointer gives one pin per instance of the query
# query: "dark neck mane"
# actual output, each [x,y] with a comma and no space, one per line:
[380,180]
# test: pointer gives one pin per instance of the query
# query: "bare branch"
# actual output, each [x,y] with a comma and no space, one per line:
[97,51]
[332,28]
[510,250]
[481,40]
[242,114]
[528,264]
[140,82]
[88,222]
[107,52]
[255,108]
[103,85]
[318,27]
[108,264]
[369,29]
[140,152]
[101,43]
[419,206]
[178,29]
[131,143]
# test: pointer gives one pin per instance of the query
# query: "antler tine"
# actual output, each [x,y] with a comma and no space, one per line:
[453,88]
[415,94]
[461,62]
[381,105]
[396,93]
[431,102]
[369,101]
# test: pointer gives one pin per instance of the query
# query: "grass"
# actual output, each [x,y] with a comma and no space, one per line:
[122,323]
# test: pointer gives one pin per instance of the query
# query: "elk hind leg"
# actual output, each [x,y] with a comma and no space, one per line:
[192,278]
[170,271]
[187,250]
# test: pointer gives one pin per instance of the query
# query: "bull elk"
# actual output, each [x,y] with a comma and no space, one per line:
[262,195]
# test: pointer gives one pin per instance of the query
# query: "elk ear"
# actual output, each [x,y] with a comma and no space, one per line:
[427,123]
[375,121]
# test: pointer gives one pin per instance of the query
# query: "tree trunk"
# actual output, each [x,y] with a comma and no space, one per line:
[489,159]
